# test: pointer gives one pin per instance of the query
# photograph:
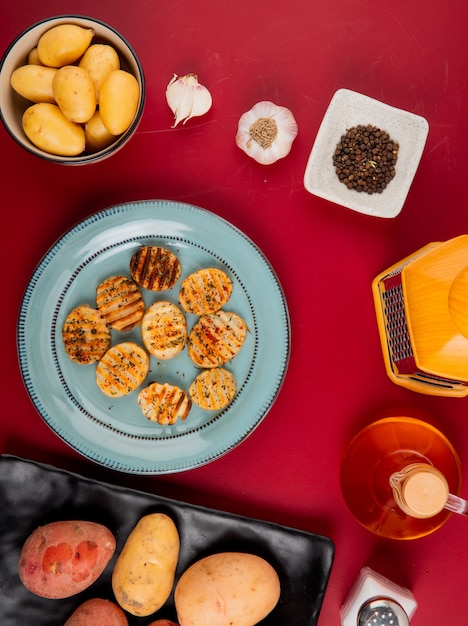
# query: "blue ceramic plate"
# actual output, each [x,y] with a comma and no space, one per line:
[114,432]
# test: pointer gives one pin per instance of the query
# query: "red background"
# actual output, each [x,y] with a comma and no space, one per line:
[408,54]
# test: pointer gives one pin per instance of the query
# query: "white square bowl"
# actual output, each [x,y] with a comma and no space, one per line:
[346,110]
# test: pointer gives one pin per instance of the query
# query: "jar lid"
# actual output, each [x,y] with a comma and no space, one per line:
[382,612]
[420,490]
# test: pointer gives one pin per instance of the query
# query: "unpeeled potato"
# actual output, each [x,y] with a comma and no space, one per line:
[118,101]
[99,612]
[99,61]
[48,129]
[96,134]
[67,70]
[226,589]
[63,558]
[143,575]
[74,93]
[34,82]
[63,44]
[33,57]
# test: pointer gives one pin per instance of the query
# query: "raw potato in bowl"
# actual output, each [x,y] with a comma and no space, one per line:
[72,90]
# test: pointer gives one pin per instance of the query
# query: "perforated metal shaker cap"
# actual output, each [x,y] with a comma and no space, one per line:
[382,612]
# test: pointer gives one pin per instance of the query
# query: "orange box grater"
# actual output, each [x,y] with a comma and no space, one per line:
[421,305]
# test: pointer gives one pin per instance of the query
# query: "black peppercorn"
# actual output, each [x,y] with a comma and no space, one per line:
[365,158]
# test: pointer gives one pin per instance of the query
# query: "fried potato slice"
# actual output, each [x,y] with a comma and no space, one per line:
[213,389]
[216,338]
[120,302]
[164,403]
[205,291]
[155,268]
[122,369]
[85,334]
[164,330]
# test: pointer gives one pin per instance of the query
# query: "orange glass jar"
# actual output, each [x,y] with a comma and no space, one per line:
[378,451]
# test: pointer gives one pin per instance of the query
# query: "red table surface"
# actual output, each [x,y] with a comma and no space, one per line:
[408,54]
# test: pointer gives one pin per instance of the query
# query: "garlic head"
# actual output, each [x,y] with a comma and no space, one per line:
[187,98]
[266,132]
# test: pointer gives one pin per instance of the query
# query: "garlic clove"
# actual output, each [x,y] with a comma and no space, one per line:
[187,98]
[174,92]
[202,101]
[266,132]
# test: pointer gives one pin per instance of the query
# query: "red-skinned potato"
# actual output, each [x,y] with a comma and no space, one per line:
[63,558]
[163,622]
[97,611]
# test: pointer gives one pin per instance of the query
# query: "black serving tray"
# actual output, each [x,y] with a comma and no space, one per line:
[33,494]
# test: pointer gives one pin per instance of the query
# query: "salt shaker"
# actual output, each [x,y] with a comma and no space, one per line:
[376,601]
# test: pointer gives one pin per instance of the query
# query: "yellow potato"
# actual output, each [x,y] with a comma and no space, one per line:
[74,93]
[34,82]
[99,61]
[96,134]
[48,129]
[226,589]
[143,575]
[63,44]
[33,57]
[118,101]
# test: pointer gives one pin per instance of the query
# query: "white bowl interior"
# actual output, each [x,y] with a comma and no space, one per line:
[346,110]
[12,105]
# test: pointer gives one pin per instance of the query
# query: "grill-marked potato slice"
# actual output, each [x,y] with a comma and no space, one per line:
[122,369]
[216,338]
[213,389]
[164,330]
[205,291]
[120,302]
[155,268]
[85,335]
[164,403]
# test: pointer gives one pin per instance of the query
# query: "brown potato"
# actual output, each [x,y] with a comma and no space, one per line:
[226,589]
